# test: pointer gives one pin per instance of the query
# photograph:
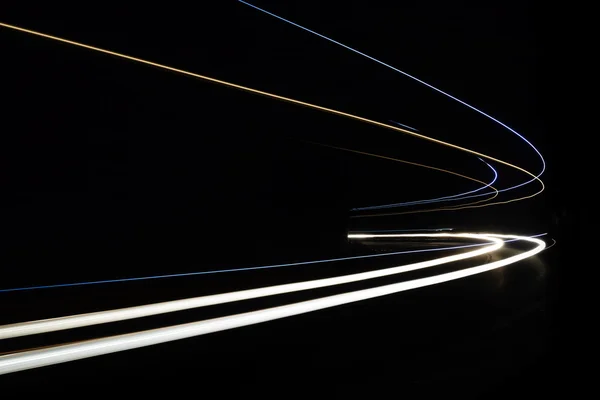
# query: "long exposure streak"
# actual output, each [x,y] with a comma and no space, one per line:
[535,177]
[222,271]
[486,243]
[495,193]
[75,321]
[286,99]
[70,352]
[455,197]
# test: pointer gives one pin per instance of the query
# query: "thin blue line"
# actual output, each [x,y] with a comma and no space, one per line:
[244,269]
[455,197]
[421,82]
[406,126]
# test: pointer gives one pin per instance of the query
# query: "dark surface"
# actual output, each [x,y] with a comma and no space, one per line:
[480,334]
[111,169]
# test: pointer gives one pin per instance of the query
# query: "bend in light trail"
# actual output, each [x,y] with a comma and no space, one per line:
[221,271]
[102,317]
[455,197]
[535,177]
[63,353]
[485,185]
[495,193]
[278,97]
[463,207]
[197,273]
[70,352]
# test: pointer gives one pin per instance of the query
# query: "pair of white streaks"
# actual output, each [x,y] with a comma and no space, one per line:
[70,352]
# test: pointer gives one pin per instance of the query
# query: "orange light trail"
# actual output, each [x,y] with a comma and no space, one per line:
[417,165]
[289,100]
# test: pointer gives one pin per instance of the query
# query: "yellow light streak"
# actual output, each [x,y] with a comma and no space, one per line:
[418,165]
[286,99]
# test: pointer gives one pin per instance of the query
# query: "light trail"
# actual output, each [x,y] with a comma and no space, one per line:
[220,271]
[495,193]
[102,317]
[282,98]
[405,230]
[404,126]
[464,206]
[455,197]
[534,177]
[70,352]
[467,206]
[63,353]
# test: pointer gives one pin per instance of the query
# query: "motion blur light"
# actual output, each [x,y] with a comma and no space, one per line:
[70,352]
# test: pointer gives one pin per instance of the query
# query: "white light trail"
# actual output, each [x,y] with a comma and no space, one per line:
[254,268]
[102,317]
[70,352]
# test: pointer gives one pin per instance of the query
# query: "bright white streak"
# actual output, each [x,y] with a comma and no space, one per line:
[71,352]
[102,317]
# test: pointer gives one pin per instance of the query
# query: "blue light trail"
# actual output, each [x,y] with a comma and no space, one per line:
[421,82]
[62,285]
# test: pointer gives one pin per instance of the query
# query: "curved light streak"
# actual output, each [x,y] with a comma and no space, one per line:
[495,193]
[467,206]
[455,197]
[552,245]
[70,352]
[282,98]
[534,177]
[485,185]
[464,206]
[102,317]
[220,271]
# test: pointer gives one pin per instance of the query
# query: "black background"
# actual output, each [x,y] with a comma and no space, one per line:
[113,169]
